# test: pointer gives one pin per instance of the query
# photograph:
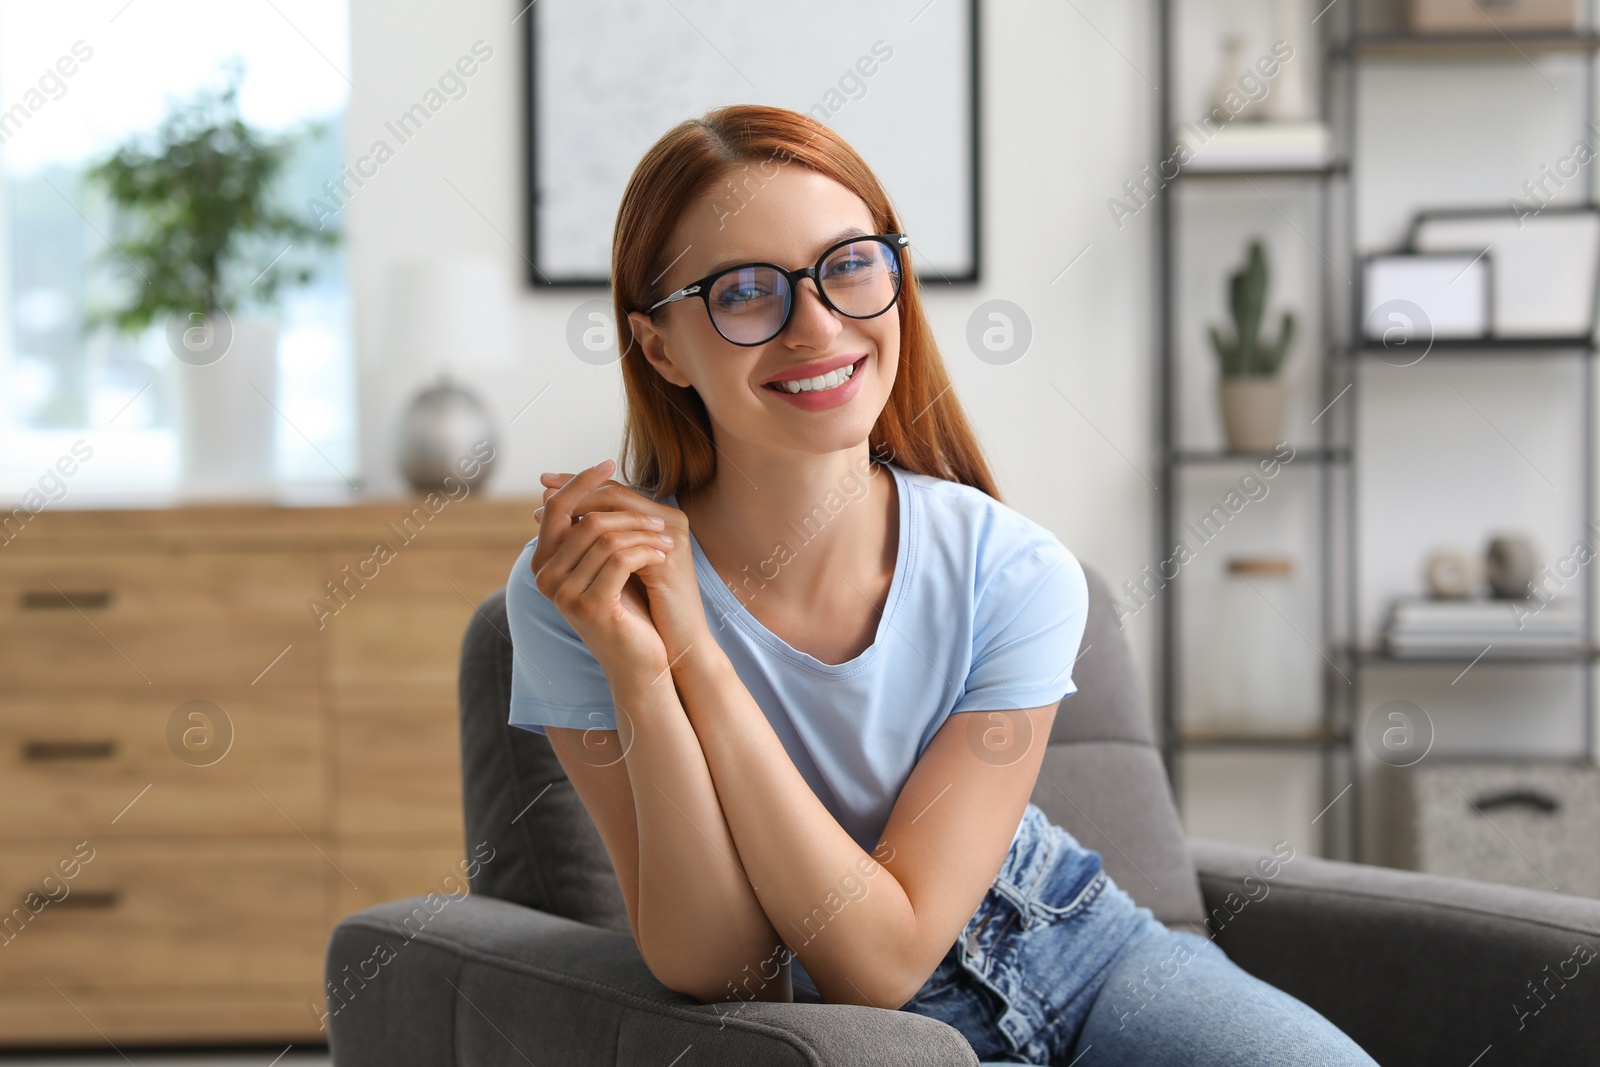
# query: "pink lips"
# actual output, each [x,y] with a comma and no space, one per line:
[828,398]
[815,369]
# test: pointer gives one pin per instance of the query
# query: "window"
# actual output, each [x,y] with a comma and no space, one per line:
[76,80]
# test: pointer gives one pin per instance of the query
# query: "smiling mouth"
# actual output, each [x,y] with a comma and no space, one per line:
[820,384]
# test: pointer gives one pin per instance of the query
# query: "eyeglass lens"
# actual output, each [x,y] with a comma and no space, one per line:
[860,279]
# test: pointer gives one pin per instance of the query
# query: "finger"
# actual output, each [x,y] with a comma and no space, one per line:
[624,542]
[617,568]
[621,528]
[614,496]
[603,521]
[558,509]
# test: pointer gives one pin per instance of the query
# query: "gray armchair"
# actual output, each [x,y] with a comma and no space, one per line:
[537,965]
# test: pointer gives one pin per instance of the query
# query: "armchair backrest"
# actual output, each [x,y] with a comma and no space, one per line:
[1102,779]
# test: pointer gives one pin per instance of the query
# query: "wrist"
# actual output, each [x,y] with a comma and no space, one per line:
[702,669]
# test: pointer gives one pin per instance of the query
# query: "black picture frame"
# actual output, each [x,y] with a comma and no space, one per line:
[539,275]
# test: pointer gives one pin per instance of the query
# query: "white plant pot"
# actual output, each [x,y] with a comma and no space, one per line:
[227,424]
[1252,412]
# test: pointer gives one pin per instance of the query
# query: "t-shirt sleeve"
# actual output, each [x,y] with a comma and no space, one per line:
[555,679]
[1027,627]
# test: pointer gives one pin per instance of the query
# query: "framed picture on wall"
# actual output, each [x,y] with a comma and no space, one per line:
[898,80]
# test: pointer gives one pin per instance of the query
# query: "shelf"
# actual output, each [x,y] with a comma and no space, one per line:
[1483,346]
[1363,656]
[1467,45]
[1318,738]
[1324,170]
[1301,455]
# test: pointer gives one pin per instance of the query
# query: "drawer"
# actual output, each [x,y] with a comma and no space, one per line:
[142,914]
[163,1016]
[199,619]
[404,629]
[399,768]
[71,763]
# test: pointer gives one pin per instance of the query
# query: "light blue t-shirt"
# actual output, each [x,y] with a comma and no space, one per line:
[986,611]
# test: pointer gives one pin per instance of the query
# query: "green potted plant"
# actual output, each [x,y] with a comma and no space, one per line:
[202,245]
[1252,393]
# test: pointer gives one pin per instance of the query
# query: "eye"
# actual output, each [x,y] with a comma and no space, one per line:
[850,264]
[732,297]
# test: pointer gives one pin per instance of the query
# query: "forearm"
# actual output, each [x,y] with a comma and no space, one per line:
[701,928]
[800,860]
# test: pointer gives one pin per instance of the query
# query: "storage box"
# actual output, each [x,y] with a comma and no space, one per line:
[1528,823]
[1491,16]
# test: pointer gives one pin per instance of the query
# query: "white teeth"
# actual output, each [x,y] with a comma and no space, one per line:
[831,380]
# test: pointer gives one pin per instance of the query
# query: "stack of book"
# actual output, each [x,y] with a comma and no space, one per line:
[1419,626]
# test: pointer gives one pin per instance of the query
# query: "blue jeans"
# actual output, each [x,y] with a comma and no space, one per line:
[1059,963]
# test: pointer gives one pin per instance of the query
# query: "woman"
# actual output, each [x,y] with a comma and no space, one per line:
[806,703]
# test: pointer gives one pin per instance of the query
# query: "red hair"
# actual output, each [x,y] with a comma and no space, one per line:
[667,434]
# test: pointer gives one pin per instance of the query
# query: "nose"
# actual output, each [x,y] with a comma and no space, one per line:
[812,324]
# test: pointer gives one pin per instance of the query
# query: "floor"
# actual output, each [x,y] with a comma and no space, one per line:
[286,1057]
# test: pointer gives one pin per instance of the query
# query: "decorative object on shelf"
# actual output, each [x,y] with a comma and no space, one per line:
[1271,124]
[445,316]
[197,232]
[1252,393]
[1451,574]
[1260,678]
[1510,564]
[442,433]
[1453,817]
[1290,100]
[1545,262]
[1492,19]
[1230,73]
[1435,294]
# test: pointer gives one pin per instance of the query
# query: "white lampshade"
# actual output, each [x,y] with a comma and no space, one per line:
[441,314]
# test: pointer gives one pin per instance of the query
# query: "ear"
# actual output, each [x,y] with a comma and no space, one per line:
[652,342]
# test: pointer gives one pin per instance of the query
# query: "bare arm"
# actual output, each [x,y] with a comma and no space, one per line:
[942,847]
[699,863]
[695,917]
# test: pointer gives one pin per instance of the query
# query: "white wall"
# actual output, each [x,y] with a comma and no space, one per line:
[1066,120]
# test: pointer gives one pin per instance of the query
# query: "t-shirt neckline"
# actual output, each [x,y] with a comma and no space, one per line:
[732,608]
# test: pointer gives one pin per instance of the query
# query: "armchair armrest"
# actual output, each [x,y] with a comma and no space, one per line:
[1416,968]
[480,980]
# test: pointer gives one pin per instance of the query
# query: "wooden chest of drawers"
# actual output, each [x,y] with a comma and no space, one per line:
[222,728]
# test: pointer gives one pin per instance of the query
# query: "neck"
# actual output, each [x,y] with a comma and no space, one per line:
[791,528]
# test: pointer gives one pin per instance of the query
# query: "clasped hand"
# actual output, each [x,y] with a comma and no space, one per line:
[620,569]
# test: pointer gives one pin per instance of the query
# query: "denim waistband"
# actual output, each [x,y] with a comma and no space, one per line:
[1036,848]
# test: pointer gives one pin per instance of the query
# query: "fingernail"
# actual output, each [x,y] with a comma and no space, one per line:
[656,522]
[538,514]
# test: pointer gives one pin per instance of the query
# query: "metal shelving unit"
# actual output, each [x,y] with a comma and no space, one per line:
[1354,49]
[1346,48]
[1330,740]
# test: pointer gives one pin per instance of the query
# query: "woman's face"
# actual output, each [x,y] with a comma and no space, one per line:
[788,219]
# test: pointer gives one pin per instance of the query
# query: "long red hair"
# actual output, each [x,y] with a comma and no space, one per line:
[666,439]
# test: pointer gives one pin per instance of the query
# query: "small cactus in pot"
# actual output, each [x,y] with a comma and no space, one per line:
[1251,391]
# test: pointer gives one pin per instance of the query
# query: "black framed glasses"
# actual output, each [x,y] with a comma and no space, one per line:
[751,303]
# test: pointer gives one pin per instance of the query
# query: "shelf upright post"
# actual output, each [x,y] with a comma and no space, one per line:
[1167,410]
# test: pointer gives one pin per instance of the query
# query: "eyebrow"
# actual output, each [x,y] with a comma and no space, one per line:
[827,242]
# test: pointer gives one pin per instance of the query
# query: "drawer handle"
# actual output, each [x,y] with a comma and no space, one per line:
[1511,798]
[44,751]
[97,899]
[40,600]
